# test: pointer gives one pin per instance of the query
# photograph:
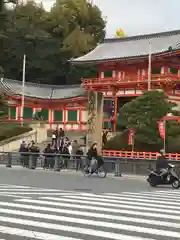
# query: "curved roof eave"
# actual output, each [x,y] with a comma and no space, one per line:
[124,58]
[131,47]
[42,92]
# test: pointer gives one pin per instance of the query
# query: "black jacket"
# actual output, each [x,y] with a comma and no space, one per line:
[92,153]
[161,163]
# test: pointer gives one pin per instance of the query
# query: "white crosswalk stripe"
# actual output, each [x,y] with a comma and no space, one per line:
[88,216]
[28,192]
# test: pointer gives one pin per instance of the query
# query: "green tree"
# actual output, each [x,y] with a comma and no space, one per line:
[79,24]
[50,39]
[143,115]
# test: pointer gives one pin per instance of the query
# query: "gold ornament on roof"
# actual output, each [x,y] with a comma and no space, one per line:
[120,33]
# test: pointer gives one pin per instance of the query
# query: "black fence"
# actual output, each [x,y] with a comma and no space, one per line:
[54,161]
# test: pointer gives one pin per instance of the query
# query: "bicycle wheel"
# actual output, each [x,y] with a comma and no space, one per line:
[102,172]
[86,172]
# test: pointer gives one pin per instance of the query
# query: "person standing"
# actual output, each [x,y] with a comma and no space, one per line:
[35,153]
[104,137]
[66,156]
[53,139]
[112,123]
[75,147]
[23,157]
[79,155]
[49,157]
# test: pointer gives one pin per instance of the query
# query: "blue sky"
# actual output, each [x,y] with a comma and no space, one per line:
[137,16]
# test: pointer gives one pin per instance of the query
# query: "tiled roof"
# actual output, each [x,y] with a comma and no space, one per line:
[131,47]
[41,91]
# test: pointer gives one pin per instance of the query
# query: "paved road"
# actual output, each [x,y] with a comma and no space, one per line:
[68,206]
[36,213]
[70,181]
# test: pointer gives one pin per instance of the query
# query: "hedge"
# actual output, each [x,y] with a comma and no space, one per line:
[120,142]
[11,131]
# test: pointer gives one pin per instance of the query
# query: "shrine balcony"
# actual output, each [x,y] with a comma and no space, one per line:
[131,82]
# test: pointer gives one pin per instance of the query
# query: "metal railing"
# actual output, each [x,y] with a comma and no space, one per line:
[54,161]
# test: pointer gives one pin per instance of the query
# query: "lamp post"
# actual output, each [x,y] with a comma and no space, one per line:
[22,89]
[149,66]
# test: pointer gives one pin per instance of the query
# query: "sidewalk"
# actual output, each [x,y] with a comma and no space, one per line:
[78,173]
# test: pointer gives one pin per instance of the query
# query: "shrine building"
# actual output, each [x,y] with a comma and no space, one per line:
[122,68]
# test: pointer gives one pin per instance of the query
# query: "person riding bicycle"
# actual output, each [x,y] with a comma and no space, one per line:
[161,163]
[93,155]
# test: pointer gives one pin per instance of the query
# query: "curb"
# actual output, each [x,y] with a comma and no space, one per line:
[110,175]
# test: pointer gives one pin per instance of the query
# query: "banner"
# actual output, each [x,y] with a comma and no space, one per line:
[161,126]
[131,136]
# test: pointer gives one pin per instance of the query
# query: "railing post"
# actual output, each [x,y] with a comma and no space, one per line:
[9,160]
[30,162]
[57,163]
[36,136]
[117,172]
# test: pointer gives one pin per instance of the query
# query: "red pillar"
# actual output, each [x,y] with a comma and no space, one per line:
[80,119]
[64,117]
[9,113]
[19,112]
[50,118]
[164,70]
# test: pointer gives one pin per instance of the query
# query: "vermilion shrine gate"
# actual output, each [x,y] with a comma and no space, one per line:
[136,64]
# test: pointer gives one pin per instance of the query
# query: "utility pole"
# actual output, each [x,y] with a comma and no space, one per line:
[149,66]
[22,89]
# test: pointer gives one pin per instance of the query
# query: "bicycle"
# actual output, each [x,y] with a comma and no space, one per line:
[100,171]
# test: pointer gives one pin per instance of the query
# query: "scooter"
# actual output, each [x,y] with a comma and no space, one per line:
[170,178]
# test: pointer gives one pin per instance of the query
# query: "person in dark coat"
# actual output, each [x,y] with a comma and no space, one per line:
[24,157]
[49,158]
[61,132]
[92,152]
[35,150]
[93,155]
[79,154]
[66,156]
[161,163]
[104,137]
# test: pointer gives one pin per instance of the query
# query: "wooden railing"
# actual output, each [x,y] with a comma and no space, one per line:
[132,79]
[139,155]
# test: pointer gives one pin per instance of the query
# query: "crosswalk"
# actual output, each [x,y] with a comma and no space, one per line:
[70,215]
[29,192]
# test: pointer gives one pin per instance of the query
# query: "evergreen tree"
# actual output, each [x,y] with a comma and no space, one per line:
[143,113]
[49,39]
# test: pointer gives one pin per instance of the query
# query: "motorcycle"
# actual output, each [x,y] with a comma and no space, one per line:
[169,178]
